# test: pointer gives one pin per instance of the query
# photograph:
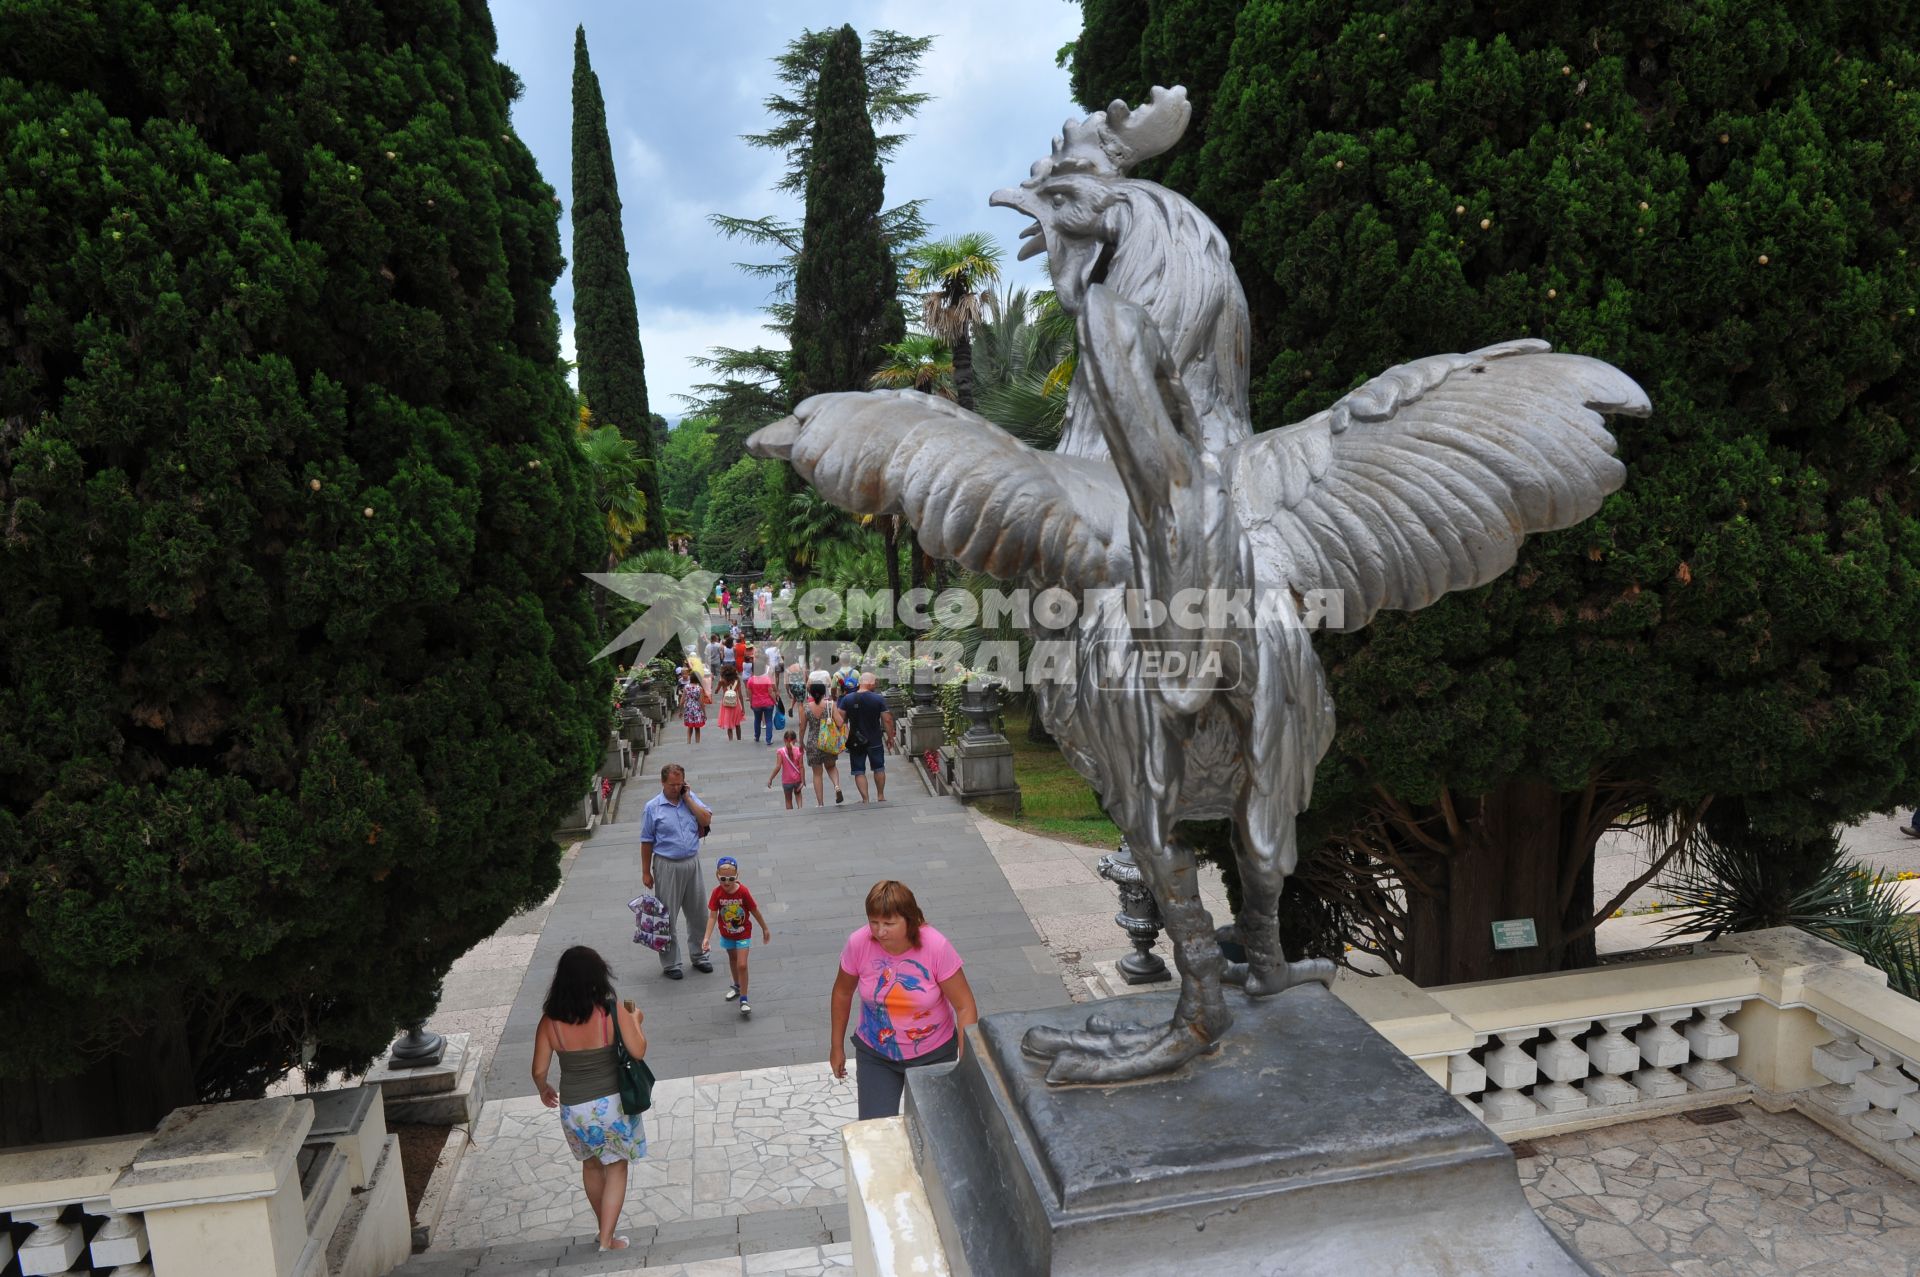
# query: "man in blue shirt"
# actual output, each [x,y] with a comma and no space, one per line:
[869,725]
[670,833]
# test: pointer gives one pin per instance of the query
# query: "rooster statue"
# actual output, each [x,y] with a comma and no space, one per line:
[1422,481]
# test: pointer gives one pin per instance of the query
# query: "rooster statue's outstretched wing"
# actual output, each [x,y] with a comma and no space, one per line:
[1427,478]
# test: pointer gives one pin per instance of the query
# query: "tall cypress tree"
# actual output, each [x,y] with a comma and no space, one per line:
[845,308]
[606,323]
[294,654]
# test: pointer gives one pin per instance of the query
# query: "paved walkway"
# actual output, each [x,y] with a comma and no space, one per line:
[743,1173]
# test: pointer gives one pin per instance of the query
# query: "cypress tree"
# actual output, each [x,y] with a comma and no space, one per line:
[845,309]
[606,323]
[845,305]
[294,679]
[1716,199]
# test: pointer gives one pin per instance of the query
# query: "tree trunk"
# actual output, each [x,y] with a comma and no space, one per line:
[890,537]
[963,370]
[124,1093]
[1515,853]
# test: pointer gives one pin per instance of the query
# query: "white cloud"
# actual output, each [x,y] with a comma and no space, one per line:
[672,337]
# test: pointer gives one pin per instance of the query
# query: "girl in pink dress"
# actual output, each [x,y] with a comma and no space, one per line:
[733,702]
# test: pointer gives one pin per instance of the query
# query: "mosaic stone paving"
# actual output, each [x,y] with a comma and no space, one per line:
[720,1144]
[808,1261]
[1763,1194]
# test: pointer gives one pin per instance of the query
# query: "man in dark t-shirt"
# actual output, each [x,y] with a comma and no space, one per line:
[869,726]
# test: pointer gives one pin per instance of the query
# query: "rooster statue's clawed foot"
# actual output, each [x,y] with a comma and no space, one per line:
[1267,973]
[1112,1051]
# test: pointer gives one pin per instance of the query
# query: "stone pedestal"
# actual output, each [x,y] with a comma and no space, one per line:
[921,730]
[981,771]
[447,1094]
[1307,1144]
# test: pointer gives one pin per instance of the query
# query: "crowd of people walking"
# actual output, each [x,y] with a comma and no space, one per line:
[914,1003]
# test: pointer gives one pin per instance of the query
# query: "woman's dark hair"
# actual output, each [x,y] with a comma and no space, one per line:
[890,899]
[728,674]
[581,983]
[816,690]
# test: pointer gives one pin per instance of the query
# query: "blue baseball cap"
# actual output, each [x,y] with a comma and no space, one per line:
[725,862]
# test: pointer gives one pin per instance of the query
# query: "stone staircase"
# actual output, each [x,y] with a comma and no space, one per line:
[681,1242]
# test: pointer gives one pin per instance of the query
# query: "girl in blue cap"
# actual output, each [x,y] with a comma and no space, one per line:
[728,908]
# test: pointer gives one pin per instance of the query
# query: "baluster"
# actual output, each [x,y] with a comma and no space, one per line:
[1661,1051]
[121,1241]
[1710,1041]
[53,1246]
[1883,1087]
[1840,1062]
[1564,1064]
[1466,1077]
[1909,1109]
[1613,1056]
[1509,1068]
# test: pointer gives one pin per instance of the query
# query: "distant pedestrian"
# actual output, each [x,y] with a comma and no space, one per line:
[726,600]
[693,704]
[1912,828]
[787,766]
[743,656]
[915,1002]
[715,654]
[771,660]
[869,725]
[815,711]
[728,908]
[733,702]
[577,1025]
[671,828]
[760,698]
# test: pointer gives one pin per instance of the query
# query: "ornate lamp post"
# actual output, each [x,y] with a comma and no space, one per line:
[1139,917]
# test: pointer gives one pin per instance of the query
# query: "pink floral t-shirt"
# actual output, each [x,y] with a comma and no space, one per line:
[903,1013]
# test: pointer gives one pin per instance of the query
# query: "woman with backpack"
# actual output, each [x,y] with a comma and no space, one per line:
[733,702]
[825,737]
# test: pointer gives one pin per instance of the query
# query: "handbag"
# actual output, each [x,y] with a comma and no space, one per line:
[779,719]
[832,737]
[636,1079]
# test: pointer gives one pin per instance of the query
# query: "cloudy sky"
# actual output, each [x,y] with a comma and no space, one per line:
[683,81]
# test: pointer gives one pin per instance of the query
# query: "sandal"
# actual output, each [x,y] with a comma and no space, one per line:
[619,1243]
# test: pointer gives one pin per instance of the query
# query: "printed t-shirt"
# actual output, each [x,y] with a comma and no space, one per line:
[903,1013]
[735,922]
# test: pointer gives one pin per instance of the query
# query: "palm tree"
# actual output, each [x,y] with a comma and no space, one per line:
[614,461]
[1024,361]
[956,278]
[920,363]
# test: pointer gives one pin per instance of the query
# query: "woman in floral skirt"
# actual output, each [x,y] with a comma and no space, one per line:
[577,1025]
[693,705]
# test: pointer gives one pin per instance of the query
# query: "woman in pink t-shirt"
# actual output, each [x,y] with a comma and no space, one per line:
[915,1003]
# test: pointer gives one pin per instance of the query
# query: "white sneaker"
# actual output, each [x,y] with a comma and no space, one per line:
[733,991]
[745,1010]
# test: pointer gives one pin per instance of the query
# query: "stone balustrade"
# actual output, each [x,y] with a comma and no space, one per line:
[216,1188]
[1778,1015]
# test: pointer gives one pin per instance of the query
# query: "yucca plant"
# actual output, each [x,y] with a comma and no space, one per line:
[1735,878]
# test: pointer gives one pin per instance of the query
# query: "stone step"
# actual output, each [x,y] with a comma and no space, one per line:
[681,1242]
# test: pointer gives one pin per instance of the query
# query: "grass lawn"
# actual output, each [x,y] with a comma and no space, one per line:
[1054,800]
